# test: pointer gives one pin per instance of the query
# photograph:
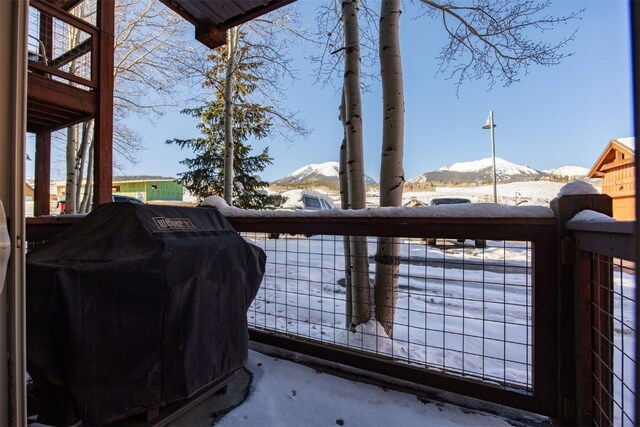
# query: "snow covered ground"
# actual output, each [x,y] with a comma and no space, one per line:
[529,193]
[289,394]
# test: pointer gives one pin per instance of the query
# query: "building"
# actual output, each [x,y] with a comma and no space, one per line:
[147,190]
[616,168]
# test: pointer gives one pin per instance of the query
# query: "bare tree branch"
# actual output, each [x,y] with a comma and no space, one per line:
[495,38]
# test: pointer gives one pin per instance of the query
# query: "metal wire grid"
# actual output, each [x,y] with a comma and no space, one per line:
[460,309]
[51,41]
[613,337]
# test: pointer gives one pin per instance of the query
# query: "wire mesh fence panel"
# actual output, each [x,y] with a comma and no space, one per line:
[613,335]
[64,49]
[461,308]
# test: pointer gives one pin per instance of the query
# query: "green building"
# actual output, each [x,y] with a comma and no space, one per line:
[149,190]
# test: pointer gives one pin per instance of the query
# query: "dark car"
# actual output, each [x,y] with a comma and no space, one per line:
[129,199]
[480,243]
[117,198]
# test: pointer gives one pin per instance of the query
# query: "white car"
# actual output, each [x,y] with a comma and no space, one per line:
[294,200]
[306,200]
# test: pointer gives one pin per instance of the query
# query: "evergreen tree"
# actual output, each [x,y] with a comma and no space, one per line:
[206,170]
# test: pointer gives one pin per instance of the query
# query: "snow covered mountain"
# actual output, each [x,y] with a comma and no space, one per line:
[323,173]
[480,171]
[568,171]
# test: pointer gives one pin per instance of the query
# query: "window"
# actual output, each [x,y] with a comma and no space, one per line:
[311,202]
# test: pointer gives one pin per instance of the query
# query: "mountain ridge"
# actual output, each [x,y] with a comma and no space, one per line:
[472,172]
[326,173]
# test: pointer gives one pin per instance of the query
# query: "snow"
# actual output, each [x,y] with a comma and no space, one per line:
[215,202]
[284,393]
[503,167]
[469,210]
[629,142]
[577,188]
[329,169]
[531,193]
[568,171]
[591,216]
[293,199]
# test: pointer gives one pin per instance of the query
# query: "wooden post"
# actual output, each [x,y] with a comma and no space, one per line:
[41,205]
[103,148]
[575,362]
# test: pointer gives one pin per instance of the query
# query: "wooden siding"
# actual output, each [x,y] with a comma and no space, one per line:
[616,167]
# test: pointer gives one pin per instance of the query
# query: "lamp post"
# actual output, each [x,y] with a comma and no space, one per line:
[490,125]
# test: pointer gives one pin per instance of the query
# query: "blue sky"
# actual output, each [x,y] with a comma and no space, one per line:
[555,116]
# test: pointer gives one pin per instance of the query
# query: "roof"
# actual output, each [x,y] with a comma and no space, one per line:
[629,142]
[625,146]
[211,18]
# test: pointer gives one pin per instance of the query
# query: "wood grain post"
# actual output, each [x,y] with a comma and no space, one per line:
[103,152]
[41,205]
[574,311]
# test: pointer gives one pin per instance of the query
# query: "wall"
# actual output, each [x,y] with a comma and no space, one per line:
[13,73]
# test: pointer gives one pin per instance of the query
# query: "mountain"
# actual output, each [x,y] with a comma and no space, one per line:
[319,174]
[480,171]
[568,171]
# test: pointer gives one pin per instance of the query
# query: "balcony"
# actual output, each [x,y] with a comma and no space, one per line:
[62,64]
[517,322]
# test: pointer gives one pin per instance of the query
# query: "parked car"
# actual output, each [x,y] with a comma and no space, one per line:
[117,198]
[305,200]
[480,243]
[296,200]
[120,198]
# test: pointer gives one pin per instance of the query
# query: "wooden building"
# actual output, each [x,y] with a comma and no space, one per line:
[616,168]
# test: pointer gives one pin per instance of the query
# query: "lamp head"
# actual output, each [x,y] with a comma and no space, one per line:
[487,125]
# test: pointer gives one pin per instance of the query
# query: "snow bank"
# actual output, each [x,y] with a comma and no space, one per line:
[215,202]
[577,188]
[591,216]
[372,337]
[467,210]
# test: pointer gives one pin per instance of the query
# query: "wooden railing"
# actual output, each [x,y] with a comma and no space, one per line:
[531,254]
[606,306]
[58,39]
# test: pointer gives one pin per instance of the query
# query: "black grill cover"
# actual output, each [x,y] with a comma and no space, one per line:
[137,306]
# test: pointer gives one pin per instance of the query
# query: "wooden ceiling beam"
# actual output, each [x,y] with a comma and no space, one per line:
[61,95]
[211,36]
[212,18]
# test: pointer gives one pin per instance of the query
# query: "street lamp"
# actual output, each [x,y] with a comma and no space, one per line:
[490,125]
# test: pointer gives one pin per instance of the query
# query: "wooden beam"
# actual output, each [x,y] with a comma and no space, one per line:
[72,54]
[103,144]
[41,204]
[211,36]
[46,69]
[47,91]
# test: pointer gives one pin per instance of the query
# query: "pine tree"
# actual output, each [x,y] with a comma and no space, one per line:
[206,170]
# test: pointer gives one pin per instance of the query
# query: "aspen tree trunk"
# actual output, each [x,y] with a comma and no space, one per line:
[361,307]
[85,206]
[83,150]
[72,177]
[391,168]
[229,86]
[344,204]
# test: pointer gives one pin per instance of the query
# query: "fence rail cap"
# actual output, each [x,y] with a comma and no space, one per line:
[472,210]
